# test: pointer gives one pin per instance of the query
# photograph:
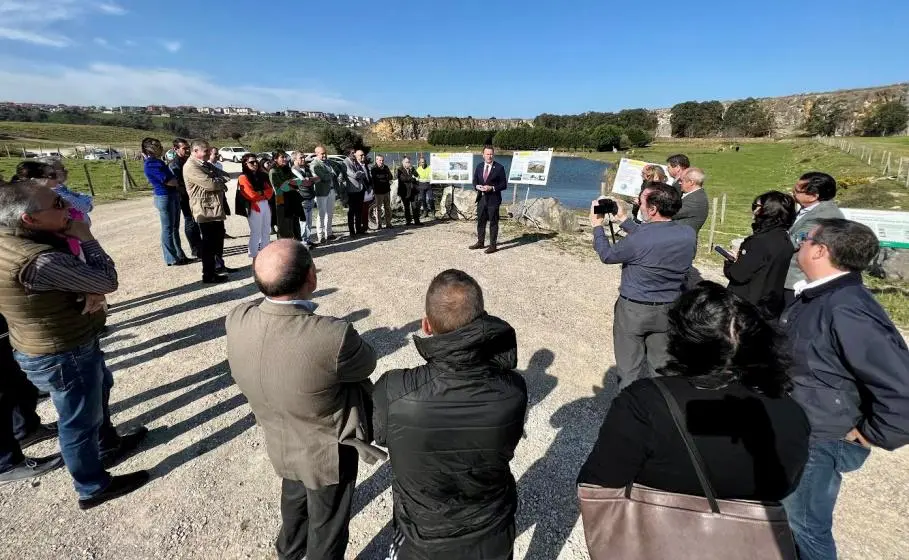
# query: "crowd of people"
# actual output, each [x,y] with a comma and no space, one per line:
[785,379]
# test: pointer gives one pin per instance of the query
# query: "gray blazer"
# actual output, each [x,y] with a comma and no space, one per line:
[804,224]
[356,181]
[306,377]
[695,208]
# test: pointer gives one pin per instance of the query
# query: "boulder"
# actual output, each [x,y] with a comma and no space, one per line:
[465,200]
[891,264]
[547,213]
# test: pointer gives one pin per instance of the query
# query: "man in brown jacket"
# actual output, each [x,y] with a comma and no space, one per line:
[306,377]
[206,196]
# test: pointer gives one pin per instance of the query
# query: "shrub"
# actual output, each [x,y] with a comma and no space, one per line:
[697,120]
[885,118]
[747,117]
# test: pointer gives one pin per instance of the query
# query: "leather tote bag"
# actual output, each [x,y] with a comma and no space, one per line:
[637,522]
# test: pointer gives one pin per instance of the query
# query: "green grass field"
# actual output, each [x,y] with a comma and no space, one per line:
[107,178]
[66,134]
[898,145]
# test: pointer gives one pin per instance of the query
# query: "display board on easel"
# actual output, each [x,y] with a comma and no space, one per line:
[531,169]
[628,179]
[451,168]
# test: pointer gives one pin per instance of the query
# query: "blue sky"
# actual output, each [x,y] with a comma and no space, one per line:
[504,59]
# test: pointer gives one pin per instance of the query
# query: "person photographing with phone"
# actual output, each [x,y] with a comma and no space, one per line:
[656,256]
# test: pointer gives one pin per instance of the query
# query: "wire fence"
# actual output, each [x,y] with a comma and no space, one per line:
[878,158]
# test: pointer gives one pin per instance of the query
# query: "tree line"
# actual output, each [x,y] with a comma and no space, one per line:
[604,137]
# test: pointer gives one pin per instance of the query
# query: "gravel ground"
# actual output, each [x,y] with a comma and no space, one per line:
[214,493]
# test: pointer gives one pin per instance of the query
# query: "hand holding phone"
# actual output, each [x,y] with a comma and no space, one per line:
[726,254]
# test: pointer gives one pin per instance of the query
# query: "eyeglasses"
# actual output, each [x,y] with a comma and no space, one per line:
[803,237]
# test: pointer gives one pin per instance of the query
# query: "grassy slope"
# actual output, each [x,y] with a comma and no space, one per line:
[898,145]
[69,133]
[107,177]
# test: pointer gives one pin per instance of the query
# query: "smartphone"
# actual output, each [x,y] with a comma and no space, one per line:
[726,254]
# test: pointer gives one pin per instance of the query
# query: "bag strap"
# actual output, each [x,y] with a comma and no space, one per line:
[693,452]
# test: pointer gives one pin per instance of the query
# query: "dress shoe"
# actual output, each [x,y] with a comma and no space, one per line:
[228,236]
[41,433]
[226,270]
[119,486]
[129,441]
[477,245]
[216,279]
[42,396]
[490,250]
[331,237]
[32,467]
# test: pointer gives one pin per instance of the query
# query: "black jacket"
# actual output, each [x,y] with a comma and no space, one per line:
[754,447]
[407,182]
[497,179]
[760,271]
[381,179]
[451,427]
[851,366]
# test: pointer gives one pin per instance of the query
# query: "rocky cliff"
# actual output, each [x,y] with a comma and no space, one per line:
[791,111]
[789,114]
[418,128]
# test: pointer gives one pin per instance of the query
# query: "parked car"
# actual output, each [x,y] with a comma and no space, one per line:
[108,154]
[263,156]
[232,153]
[29,155]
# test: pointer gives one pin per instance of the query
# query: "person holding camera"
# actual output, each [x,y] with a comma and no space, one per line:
[656,256]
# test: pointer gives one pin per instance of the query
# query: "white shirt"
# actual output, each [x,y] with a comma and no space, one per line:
[684,194]
[304,303]
[805,209]
[803,285]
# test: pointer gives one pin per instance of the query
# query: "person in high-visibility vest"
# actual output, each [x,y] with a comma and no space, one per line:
[425,199]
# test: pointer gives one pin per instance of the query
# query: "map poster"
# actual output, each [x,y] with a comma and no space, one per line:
[530,168]
[451,168]
[891,228]
[628,178]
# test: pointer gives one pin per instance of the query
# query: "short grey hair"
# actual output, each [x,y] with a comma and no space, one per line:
[696,176]
[295,153]
[17,199]
[201,144]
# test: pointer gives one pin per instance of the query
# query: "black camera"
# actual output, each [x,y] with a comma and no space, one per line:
[606,206]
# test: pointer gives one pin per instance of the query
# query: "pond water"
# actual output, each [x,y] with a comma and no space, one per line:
[574,181]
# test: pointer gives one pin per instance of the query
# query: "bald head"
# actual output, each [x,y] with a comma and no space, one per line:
[284,270]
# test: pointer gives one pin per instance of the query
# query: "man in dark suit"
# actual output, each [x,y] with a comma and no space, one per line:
[489,180]
[677,164]
[694,200]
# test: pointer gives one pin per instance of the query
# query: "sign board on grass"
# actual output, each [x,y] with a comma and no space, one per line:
[451,168]
[530,168]
[628,178]
[891,227]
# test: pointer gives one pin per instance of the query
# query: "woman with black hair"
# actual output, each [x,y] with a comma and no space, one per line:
[758,274]
[729,376]
[252,200]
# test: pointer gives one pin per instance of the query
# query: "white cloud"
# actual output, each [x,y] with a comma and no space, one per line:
[34,38]
[45,20]
[172,46]
[107,84]
[100,41]
[129,43]
[112,9]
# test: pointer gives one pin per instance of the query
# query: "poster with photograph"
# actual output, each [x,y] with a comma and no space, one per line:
[890,227]
[628,178]
[451,168]
[530,168]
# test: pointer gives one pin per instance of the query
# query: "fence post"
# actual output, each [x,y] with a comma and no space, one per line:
[887,169]
[125,177]
[713,223]
[88,177]
[723,210]
[7,150]
[870,152]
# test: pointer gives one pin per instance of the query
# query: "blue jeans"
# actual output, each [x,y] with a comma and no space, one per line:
[169,211]
[79,384]
[810,507]
[306,222]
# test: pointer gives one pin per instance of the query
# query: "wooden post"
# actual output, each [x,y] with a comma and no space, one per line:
[723,210]
[887,169]
[712,223]
[125,177]
[7,150]
[88,177]
[870,152]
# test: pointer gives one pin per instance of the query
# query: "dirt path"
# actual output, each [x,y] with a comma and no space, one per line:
[214,493]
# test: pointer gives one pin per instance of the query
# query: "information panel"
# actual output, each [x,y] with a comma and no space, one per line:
[451,168]
[890,227]
[530,168]
[628,178]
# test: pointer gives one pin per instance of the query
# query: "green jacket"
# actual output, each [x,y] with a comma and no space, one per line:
[327,177]
[277,176]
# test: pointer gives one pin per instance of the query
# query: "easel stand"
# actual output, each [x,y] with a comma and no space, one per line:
[525,215]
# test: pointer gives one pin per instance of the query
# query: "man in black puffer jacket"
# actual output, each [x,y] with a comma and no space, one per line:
[451,427]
